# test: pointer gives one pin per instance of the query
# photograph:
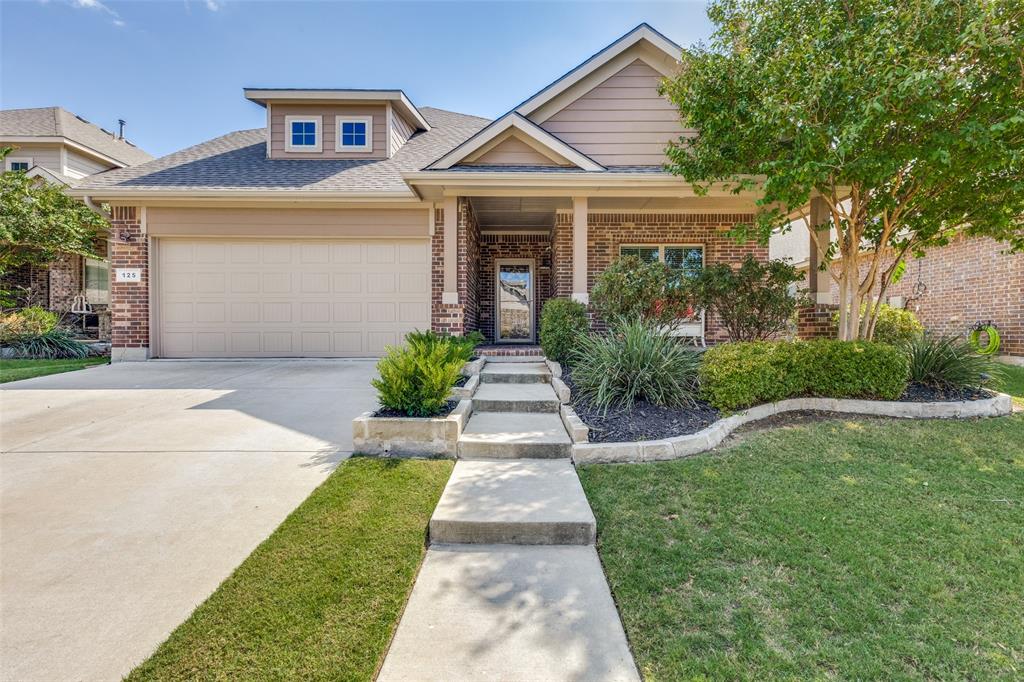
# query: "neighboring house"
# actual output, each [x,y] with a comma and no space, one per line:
[355,216]
[951,288]
[59,147]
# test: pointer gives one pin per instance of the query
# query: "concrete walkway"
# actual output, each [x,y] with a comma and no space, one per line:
[511,587]
[129,492]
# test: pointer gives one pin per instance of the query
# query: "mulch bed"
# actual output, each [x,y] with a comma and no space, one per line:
[921,393]
[461,381]
[444,412]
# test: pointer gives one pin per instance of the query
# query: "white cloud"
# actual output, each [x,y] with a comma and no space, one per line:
[212,5]
[99,7]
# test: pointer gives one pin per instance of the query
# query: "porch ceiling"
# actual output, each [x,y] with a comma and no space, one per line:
[517,213]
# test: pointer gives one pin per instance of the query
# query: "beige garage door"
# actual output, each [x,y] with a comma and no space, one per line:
[322,298]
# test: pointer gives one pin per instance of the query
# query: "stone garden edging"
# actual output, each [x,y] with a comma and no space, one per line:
[584,452]
[410,436]
[466,391]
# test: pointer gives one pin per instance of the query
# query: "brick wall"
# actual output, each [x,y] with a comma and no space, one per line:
[510,245]
[65,282]
[461,317]
[129,301]
[29,285]
[967,280]
[607,231]
[815,322]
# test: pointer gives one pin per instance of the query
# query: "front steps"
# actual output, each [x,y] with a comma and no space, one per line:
[515,373]
[517,502]
[514,435]
[515,397]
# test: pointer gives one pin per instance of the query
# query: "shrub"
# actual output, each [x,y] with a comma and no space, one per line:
[562,321]
[27,322]
[52,344]
[893,325]
[737,375]
[634,361]
[630,288]
[456,347]
[416,381]
[752,301]
[948,362]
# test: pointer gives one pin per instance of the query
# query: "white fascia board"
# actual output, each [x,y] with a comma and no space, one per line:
[528,128]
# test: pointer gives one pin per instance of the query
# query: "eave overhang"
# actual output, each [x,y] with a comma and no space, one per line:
[397,98]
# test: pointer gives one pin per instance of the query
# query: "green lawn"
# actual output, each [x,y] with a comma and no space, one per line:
[13,370]
[1012,382]
[320,598]
[849,549]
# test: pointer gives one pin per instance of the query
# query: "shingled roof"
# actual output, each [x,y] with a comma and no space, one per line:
[238,162]
[56,122]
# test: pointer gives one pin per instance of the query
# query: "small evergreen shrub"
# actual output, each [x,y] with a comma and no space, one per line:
[562,322]
[631,288]
[634,361]
[738,375]
[27,322]
[893,325]
[456,347]
[948,362]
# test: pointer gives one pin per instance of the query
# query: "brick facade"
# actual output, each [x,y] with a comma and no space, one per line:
[968,280]
[815,322]
[510,245]
[129,301]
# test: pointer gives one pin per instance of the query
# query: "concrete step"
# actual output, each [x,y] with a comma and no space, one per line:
[506,612]
[513,502]
[515,398]
[513,435]
[515,373]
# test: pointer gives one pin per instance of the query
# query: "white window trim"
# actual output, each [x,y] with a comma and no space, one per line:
[661,250]
[96,296]
[318,121]
[368,120]
[11,160]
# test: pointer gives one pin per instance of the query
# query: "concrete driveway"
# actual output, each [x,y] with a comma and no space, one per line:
[129,492]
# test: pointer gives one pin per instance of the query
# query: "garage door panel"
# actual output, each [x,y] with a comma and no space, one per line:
[262,298]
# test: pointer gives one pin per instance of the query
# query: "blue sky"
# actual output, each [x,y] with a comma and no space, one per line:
[175,70]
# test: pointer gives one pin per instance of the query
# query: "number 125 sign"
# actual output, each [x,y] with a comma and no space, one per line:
[127,275]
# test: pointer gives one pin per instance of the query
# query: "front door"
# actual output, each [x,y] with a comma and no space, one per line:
[514,301]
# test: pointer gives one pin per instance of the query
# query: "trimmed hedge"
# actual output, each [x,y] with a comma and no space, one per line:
[738,375]
[562,322]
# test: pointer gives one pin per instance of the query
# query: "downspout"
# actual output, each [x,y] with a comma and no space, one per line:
[96,208]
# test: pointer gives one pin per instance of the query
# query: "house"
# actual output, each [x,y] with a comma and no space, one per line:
[355,216]
[970,280]
[56,146]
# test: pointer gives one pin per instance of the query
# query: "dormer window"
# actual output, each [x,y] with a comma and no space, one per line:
[303,133]
[355,133]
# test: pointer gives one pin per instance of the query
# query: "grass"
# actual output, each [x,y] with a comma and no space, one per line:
[15,370]
[1011,381]
[849,549]
[320,598]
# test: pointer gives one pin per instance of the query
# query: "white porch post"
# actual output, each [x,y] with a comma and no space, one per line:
[819,281]
[579,250]
[450,293]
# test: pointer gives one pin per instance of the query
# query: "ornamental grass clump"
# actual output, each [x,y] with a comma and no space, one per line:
[635,361]
[948,362]
[33,333]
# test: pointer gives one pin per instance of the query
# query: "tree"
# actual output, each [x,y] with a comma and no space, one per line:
[752,301]
[39,222]
[905,118]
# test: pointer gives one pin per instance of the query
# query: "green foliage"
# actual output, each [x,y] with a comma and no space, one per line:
[912,110]
[562,321]
[737,375]
[949,362]
[417,378]
[892,325]
[27,322]
[752,301]
[52,344]
[39,222]
[631,288]
[634,361]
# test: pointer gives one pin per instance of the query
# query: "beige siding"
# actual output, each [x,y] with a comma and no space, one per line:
[79,165]
[45,155]
[512,152]
[328,112]
[282,222]
[621,122]
[400,131]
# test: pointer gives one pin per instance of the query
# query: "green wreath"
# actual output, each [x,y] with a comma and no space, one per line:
[993,338]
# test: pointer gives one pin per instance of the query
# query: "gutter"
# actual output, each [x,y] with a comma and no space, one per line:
[95,208]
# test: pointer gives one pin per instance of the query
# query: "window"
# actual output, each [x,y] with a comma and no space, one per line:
[97,281]
[302,133]
[22,163]
[355,134]
[688,259]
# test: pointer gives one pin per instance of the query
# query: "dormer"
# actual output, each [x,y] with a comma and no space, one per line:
[336,124]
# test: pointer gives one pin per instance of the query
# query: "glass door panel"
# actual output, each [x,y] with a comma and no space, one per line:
[515,302]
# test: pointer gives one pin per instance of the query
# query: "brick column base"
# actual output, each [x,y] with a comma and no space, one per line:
[129,301]
[815,321]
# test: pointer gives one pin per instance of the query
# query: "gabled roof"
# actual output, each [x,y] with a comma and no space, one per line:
[500,127]
[50,176]
[396,97]
[643,33]
[49,123]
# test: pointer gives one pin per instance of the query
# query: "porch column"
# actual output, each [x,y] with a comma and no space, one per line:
[819,281]
[579,250]
[450,292]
